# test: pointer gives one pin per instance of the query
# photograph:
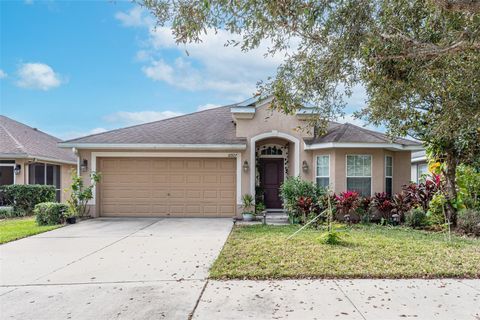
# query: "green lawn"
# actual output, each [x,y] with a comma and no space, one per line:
[263,252]
[13,229]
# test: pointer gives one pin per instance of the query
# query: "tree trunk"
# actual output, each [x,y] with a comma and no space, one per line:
[451,187]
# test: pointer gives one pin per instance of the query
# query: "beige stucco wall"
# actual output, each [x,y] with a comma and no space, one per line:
[66,180]
[338,158]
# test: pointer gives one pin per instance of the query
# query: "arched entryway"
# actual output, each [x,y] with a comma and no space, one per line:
[276,156]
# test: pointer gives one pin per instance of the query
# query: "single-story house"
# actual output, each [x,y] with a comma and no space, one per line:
[419,165]
[200,164]
[30,156]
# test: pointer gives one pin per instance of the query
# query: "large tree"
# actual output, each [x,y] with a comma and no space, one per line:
[419,61]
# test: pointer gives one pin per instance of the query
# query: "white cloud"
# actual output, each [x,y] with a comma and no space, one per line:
[124,118]
[28,2]
[209,65]
[208,106]
[77,134]
[37,76]
[136,17]
[3,74]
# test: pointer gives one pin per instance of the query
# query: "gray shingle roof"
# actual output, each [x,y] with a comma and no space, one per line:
[349,133]
[213,126]
[19,140]
[216,126]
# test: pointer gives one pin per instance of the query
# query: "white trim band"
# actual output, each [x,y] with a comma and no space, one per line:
[223,147]
[31,157]
[329,145]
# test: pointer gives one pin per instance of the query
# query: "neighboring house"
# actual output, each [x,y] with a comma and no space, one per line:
[419,165]
[200,164]
[30,156]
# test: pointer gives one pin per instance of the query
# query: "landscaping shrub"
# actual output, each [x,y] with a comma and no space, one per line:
[400,205]
[81,194]
[6,212]
[364,209]
[468,182]
[50,213]
[293,188]
[23,198]
[422,193]
[416,218]
[435,213]
[382,203]
[347,204]
[469,222]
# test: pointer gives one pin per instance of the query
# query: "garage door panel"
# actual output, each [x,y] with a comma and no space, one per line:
[227,165]
[199,187]
[227,195]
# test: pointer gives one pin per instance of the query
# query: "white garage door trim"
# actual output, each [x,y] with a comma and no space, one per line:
[238,156]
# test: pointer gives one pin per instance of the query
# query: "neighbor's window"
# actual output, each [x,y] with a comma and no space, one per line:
[323,171]
[43,173]
[422,171]
[359,174]
[388,175]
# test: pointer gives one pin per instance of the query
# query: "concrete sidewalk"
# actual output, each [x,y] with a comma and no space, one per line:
[341,299]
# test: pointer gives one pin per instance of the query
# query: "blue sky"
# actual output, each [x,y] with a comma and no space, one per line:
[81,67]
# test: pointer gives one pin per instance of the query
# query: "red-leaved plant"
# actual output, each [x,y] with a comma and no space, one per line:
[347,202]
[421,194]
[306,206]
[381,201]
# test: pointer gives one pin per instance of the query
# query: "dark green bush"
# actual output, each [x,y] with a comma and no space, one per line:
[295,188]
[469,222]
[416,218]
[23,198]
[50,213]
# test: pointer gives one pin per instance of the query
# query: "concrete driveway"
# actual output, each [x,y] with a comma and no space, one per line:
[138,268]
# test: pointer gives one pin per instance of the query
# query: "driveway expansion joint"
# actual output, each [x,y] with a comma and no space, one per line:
[348,298]
[190,316]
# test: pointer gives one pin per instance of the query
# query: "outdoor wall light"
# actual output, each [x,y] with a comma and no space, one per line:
[245,166]
[84,166]
[18,169]
[396,219]
[305,166]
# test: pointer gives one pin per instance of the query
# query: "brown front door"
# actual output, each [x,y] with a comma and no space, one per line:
[271,177]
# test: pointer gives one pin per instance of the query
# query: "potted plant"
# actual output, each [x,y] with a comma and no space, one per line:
[248,205]
[70,216]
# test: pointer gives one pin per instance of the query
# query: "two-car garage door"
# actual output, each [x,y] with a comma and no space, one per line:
[167,187]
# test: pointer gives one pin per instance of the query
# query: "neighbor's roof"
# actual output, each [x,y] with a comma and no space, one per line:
[349,133]
[208,127]
[18,140]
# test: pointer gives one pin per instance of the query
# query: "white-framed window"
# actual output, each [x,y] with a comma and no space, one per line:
[359,174]
[422,171]
[389,175]
[323,171]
